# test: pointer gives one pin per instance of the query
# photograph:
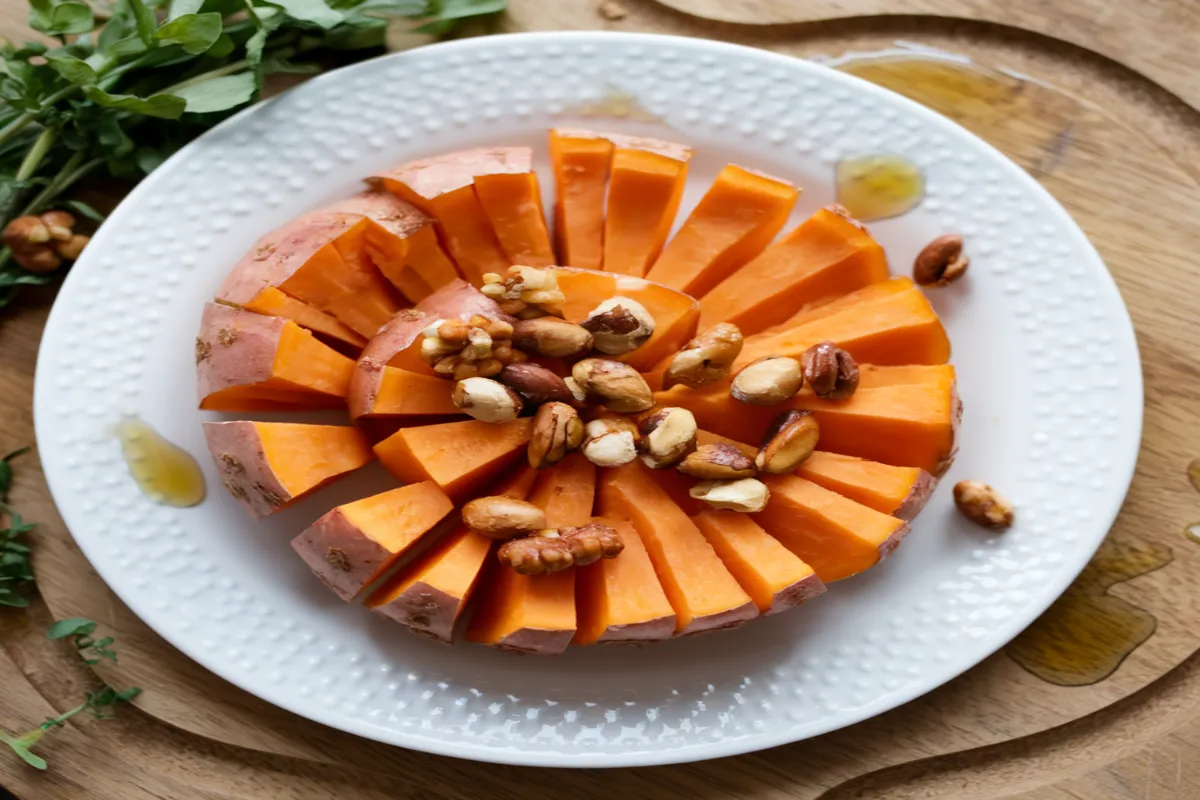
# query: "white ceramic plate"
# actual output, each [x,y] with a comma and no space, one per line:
[1046,356]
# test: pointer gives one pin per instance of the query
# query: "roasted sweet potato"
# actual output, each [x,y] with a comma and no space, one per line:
[645,186]
[354,544]
[274,303]
[580,160]
[460,457]
[268,465]
[620,600]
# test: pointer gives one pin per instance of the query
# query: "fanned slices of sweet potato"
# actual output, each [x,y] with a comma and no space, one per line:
[774,576]
[274,303]
[826,256]
[429,595]
[736,218]
[645,187]
[356,543]
[620,600]
[701,589]
[580,160]
[835,535]
[268,465]
[247,361]
[536,613]
[459,457]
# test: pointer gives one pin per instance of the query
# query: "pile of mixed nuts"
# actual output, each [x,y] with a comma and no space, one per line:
[582,398]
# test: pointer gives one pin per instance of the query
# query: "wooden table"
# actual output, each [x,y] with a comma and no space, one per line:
[1108,122]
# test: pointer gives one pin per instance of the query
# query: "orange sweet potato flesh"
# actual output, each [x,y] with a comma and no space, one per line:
[274,303]
[900,329]
[353,544]
[810,312]
[513,204]
[401,241]
[899,491]
[775,577]
[580,160]
[397,344]
[411,394]
[826,256]
[701,589]
[429,595]
[736,218]
[835,535]
[536,613]
[620,600]
[443,187]
[268,465]
[243,356]
[675,313]
[645,186]
[459,457]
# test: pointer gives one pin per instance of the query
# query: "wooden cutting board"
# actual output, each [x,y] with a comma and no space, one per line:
[1119,150]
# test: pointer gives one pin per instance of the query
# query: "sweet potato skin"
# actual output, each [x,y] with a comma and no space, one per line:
[240,345]
[339,554]
[240,459]
[424,610]
[917,498]
[455,299]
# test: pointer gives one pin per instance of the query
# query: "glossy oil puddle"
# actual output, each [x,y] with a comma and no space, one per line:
[1083,638]
[874,187]
[165,472]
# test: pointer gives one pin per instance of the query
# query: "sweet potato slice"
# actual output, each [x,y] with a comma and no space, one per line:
[460,457]
[353,544]
[899,491]
[873,376]
[825,256]
[242,356]
[402,242]
[411,394]
[835,535]
[513,204]
[580,160]
[443,187]
[701,589]
[398,345]
[645,186]
[536,613]
[429,595]
[775,577]
[274,303]
[810,312]
[900,329]
[268,465]
[675,313]
[620,599]
[736,218]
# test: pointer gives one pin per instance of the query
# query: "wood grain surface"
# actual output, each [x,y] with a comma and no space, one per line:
[1119,150]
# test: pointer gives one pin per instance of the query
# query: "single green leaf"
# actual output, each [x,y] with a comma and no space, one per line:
[131,45]
[73,69]
[125,695]
[119,26]
[146,23]
[195,33]
[163,106]
[112,136]
[317,12]
[60,18]
[255,44]
[182,8]
[218,94]
[84,210]
[74,626]
[18,746]
[222,47]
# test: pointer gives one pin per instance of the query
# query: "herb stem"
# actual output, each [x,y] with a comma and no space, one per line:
[33,158]
[20,123]
[70,172]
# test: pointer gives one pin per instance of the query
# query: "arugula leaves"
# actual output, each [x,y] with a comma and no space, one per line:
[119,95]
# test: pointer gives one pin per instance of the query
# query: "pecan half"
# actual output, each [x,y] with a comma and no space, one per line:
[831,371]
[554,550]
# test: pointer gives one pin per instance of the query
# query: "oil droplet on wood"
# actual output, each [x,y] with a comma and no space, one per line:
[1087,633]
[166,473]
[874,187]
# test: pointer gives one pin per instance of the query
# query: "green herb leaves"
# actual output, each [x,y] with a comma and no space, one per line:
[15,571]
[80,631]
[60,18]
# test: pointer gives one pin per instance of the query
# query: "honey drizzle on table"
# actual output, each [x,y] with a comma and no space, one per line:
[165,472]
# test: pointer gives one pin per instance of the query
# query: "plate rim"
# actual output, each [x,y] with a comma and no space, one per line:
[691,751]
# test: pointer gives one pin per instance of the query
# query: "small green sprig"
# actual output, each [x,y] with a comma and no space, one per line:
[79,630]
[16,573]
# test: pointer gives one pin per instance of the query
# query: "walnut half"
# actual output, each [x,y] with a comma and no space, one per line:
[554,550]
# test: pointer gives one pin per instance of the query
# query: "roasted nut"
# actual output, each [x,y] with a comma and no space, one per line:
[941,261]
[705,359]
[619,325]
[32,243]
[768,381]
[536,384]
[59,224]
[718,462]
[982,505]
[37,259]
[551,337]
[557,430]
[790,439]
[462,349]
[668,435]
[526,292]
[500,517]
[831,371]
[72,248]
[748,495]
[558,549]
[496,328]
[618,387]
[610,442]
[486,400]
[25,231]
[577,392]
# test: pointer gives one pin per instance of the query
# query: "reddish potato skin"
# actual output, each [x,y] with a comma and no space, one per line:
[655,630]
[425,611]
[337,552]
[535,642]
[889,545]
[437,175]
[733,618]
[248,476]
[921,492]
[457,299]
[241,348]
[794,595]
